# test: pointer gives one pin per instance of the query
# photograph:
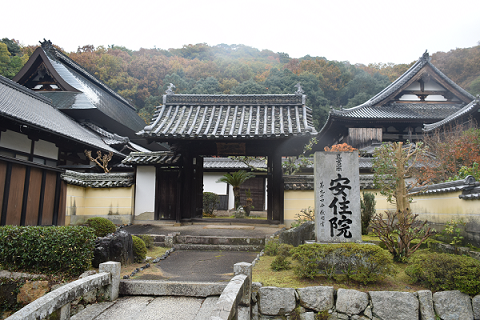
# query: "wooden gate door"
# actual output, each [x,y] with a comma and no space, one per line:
[257,188]
[166,194]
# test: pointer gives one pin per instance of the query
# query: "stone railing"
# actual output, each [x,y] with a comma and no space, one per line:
[235,300]
[60,299]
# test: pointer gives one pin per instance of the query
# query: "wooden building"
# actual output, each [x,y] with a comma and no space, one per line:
[198,126]
[81,96]
[422,95]
[50,114]
[33,137]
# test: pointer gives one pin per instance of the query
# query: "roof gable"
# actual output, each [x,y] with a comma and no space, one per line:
[422,83]
[22,105]
[38,74]
[71,88]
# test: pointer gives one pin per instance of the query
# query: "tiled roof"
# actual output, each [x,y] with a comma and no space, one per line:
[98,180]
[400,111]
[469,187]
[305,182]
[111,139]
[228,163]
[152,158]
[22,104]
[407,76]
[298,182]
[469,109]
[231,116]
[86,91]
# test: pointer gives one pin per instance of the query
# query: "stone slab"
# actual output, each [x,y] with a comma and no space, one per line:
[394,305]
[170,288]
[337,197]
[92,311]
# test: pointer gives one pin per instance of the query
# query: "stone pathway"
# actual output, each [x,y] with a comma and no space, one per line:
[150,308]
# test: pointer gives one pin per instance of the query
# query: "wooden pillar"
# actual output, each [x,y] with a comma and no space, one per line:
[198,187]
[188,191]
[269,187]
[178,205]
[277,190]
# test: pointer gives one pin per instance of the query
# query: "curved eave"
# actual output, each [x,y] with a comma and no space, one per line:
[469,109]
[162,137]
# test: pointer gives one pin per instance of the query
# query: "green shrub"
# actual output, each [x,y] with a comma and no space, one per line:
[47,249]
[101,226]
[360,262]
[210,203]
[280,263]
[139,249]
[284,250]
[443,272]
[147,239]
[367,204]
[271,247]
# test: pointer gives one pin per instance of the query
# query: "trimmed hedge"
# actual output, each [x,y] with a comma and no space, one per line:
[101,225]
[139,249]
[361,262]
[444,271]
[47,249]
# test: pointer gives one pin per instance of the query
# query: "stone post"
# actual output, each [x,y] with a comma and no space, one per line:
[244,308]
[113,268]
[169,241]
[245,268]
[65,312]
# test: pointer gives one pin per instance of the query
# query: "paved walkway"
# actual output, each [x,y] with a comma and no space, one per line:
[150,308]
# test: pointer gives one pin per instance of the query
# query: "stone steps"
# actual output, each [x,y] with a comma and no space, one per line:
[209,243]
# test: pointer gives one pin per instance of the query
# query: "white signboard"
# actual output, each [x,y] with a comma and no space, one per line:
[337,197]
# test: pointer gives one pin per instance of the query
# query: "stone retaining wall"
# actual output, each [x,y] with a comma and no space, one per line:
[346,304]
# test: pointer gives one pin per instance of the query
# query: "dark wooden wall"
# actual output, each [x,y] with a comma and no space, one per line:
[31,194]
[362,137]
[257,188]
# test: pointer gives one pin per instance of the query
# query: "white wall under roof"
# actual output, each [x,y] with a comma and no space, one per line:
[145,190]
[46,149]
[15,141]
[210,183]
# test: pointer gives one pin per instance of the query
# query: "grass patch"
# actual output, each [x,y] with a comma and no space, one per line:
[286,279]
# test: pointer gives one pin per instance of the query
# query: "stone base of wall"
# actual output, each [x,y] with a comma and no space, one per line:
[346,304]
[117,219]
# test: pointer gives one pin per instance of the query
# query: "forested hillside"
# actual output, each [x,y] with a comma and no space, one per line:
[142,76]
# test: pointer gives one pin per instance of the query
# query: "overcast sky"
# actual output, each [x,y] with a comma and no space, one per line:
[359,31]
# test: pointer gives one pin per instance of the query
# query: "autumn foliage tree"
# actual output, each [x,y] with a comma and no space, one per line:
[392,164]
[449,150]
[341,147]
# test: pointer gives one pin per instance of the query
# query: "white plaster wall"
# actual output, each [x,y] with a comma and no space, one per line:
[210,183]
[15,141]
[435,97]
[409,97]
[432,85]
[145,190]
[46,149]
